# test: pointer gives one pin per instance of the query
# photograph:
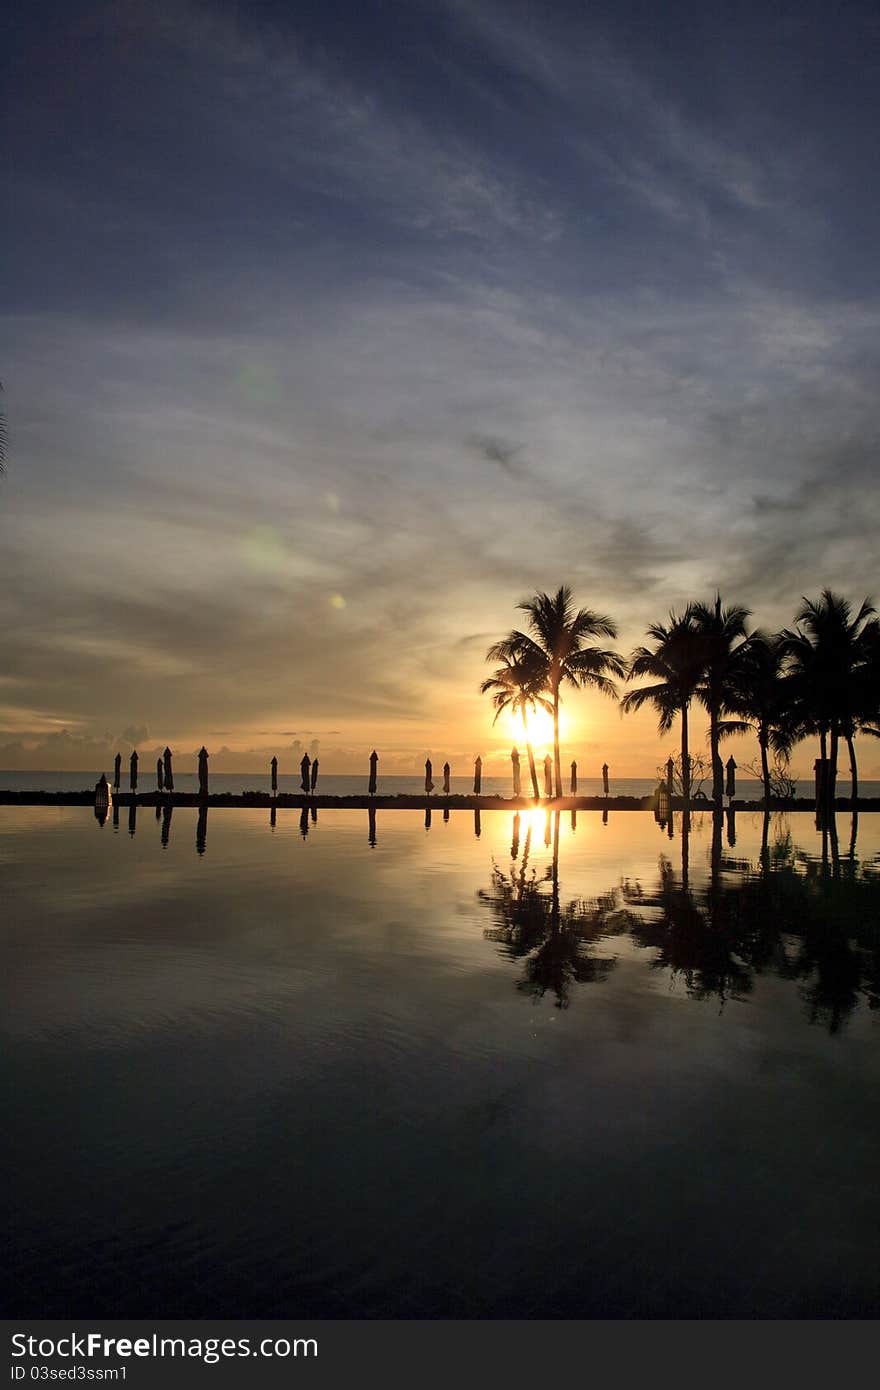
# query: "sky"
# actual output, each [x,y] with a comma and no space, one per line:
[330,332]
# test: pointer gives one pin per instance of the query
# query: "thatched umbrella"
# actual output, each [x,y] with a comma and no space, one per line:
[133,772]
[548,776]
[274,770]
[374,759]
[169,775]
[670,775]
[304,771]
[159,774]
[514,758]
[478,775]
[314,774]
[574,778]
[730,789]
[117,771]
[446,778]
[429,772]
[203,771]
[605,778]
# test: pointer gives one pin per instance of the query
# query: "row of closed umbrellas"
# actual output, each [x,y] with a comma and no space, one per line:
[309,774]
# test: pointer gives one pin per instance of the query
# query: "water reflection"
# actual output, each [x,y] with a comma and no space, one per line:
[167,812]
[202,828]
[814,921]
[556,942]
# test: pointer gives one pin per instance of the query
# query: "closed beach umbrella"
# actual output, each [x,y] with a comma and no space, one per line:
[133,772]
[314,774]
[159,775]
[117,771]
[169,775]
[605,778]
[670,775]
[730,789]
[478,775]
[548,776]
[446,778]
[203,771]
[574,778]
[274,768]
[304,770]
[374,759]
[514,758]
[429,772]
[102,798]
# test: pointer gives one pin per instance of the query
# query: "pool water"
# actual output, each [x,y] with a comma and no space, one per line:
[355,1066]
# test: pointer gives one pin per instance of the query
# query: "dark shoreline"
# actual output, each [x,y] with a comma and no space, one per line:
[404,802]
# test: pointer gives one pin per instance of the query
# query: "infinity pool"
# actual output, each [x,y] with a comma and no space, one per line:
[482,1067]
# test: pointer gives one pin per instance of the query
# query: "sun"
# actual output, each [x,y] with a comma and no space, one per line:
[540,728]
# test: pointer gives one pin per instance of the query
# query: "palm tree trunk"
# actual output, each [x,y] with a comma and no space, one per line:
[717,769]
[823,771]
[765,767]
[831,780]
[854,770]
[557,761]
[685,759]
[531,754]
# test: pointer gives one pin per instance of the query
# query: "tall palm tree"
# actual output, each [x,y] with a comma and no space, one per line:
[558,640]
[830,656]
[757,693]
[518,685]
[723,634]
[676,663]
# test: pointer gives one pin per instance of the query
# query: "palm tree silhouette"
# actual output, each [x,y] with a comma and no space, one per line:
[831,655]
[723,634]
[758,695]
[517,685]
[677,663]
[556,642]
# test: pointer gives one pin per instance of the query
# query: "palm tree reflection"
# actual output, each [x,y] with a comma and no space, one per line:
[556,942]
[800,918]
[716,924]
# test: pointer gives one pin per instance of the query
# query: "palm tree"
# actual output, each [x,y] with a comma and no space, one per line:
[517,685]
[831,655]
[676,663]
[557,642]
[723,634]
[757,694]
